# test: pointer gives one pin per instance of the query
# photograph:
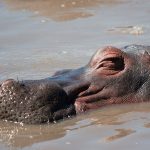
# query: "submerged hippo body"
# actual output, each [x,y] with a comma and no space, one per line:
[112,76]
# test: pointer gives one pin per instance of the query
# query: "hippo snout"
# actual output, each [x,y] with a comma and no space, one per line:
[36,102]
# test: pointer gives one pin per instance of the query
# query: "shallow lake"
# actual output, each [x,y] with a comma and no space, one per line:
[39,37]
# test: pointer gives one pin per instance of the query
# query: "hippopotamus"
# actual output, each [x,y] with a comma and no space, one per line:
[112,76]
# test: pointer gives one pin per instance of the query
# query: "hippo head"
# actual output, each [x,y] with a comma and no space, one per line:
[112,76]
[117,76]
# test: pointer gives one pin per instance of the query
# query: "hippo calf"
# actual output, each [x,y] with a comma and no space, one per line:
[113,76]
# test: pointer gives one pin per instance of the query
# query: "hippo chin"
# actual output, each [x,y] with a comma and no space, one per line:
[113,76]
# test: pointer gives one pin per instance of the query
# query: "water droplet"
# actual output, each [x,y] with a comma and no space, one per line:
[43,20]
[54,122]
[73,3]
[21,123]
[36,12]
[31,137]
[64,52]
[68,143]
[62,5]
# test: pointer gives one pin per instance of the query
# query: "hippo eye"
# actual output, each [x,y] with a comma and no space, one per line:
[110,65]
[115,63]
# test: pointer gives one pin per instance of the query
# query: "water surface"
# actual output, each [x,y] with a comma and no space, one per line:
[114,127]
[39,37]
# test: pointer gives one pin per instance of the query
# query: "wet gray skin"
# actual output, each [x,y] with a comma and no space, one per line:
[113,76]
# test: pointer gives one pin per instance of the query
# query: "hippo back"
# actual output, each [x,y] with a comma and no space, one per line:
[136,49]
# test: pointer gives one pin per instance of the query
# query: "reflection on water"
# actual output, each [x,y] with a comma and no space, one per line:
[120,133]
[20,135]
[60,10]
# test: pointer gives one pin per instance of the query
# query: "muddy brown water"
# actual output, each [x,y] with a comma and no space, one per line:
[39,37]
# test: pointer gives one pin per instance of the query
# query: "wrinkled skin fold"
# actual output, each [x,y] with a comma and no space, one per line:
[113,76]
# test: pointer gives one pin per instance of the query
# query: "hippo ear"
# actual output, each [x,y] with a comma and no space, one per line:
[146,55]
